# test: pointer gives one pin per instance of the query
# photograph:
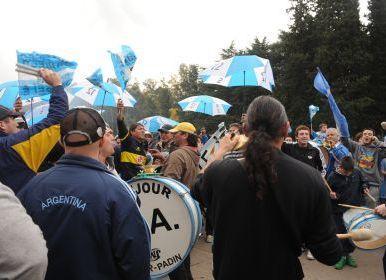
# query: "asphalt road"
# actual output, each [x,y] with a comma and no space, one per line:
[369,265]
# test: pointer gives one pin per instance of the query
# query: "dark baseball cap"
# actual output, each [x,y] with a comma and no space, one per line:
[165,128]
[5,112]
[82,121]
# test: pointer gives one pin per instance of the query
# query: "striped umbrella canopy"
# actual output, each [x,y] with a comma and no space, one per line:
[107,95]
[38,113]
[241,70]
[154,123]
[40,106]
[9,91]
[205,104]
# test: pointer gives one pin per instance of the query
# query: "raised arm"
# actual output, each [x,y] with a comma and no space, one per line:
[122,129]
[33,144]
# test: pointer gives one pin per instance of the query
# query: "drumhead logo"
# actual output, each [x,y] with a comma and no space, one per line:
[155,254]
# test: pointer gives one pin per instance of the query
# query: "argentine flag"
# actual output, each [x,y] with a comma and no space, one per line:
[31,86]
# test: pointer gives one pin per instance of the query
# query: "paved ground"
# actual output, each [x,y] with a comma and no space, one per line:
[369,265]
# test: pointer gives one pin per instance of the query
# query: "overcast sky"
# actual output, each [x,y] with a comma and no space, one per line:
[163,33]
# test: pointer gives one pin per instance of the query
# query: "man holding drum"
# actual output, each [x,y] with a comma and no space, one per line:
[182,165]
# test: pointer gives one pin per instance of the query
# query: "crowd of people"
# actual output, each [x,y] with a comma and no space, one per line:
[68,213]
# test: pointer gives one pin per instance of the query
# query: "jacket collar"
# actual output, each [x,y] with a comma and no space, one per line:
[70,159]
[3,134]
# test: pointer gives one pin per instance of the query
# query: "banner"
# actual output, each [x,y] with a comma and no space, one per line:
[32,86]
[123,65]
[321,85]
[96,78]
[313,110]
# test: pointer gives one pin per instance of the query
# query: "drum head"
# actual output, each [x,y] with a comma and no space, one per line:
[349,215]
[377,225]
[173,221]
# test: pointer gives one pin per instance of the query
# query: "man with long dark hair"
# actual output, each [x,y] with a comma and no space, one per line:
[274,202]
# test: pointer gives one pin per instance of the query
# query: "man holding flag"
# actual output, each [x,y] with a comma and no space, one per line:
[22,152]
[365,155]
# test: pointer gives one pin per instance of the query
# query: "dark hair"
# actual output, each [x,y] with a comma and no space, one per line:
[321,125]
[358,136]
[347,164]
[369,129]
[133,127]
[302,127]
[265,119]
[192,140]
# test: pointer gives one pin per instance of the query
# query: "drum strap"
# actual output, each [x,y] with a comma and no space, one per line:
[287,229]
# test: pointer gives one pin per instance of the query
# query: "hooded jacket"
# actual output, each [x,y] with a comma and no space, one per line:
[366,159]
[182,165]
[22,153]
[90,220]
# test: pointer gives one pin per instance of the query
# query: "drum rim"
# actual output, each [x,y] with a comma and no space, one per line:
[192,241]
[195,229]
[371,217]
[358,216]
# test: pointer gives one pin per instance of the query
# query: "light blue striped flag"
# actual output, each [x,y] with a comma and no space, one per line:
[31,86]
[313,110]
[321,85]
[96,78]
[123,64]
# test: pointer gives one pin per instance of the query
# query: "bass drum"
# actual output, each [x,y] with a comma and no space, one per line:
[174,218]
[355,219]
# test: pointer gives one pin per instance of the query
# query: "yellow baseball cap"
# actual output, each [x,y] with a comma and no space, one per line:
[184,127]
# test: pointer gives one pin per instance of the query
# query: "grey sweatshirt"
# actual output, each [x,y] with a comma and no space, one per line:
[366,159]
[23,251]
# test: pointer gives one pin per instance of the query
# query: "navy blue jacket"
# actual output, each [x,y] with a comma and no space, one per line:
[22,153]
[90,220]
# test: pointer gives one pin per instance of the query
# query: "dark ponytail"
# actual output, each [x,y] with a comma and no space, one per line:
[266,118]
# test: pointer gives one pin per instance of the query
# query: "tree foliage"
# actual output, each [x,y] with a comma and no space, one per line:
[324,33]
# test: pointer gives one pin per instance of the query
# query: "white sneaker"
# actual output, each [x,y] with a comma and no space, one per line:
[209,238]
[310,256]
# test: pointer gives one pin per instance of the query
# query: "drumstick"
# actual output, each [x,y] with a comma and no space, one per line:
[355,207]
[361,234]
[327,185]
[371,197]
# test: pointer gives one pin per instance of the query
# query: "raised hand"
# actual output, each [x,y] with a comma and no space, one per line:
[50,77]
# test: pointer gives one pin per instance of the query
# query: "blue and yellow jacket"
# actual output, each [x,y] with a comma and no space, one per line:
[133,154]
[22,153]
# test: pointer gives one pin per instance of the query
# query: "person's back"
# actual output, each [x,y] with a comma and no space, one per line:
[88,216]
[258,237]
[23,251]
[265,206]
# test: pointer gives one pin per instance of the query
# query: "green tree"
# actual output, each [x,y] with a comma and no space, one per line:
[377,37]
[342,53]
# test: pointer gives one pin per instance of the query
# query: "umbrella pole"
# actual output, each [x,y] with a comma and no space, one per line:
[103,102]
[243,96]
[32,112]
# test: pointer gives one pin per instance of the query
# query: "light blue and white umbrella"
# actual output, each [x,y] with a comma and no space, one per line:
[241,70]
[9,91]
[108,95]
[40,106]
[205,104]
[38,113]
[154,123]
